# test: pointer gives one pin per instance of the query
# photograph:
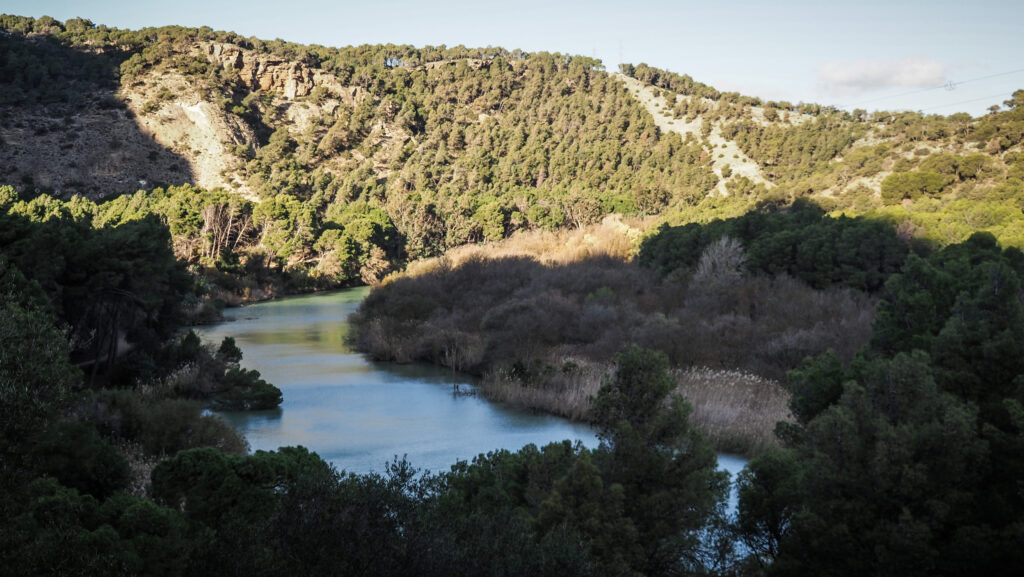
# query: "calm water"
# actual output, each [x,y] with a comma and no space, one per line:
[359,414]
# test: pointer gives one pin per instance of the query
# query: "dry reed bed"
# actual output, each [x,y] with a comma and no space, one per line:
[735,410]
[614,236]
[566,394]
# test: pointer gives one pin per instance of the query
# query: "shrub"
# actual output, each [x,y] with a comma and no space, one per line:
[900,186]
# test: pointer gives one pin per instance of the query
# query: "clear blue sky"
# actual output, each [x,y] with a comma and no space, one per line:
[870,53]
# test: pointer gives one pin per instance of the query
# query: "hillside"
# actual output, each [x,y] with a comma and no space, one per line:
[939,177]
[726,157]
[347,163]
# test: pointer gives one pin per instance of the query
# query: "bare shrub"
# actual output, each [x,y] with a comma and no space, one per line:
[451,347]
[140,464]
[721,262]
[382,339]
[512,308]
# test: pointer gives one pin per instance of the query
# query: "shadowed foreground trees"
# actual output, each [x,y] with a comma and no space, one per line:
[901,462]
[114,286]
[664,470]
[637,505]
[909,460]
[75,457]
[634,506]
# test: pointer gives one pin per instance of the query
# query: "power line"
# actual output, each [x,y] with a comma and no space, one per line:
[965,101]
[918,91]
[948,86]
[989,76]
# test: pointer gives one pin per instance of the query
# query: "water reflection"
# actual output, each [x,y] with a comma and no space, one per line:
[359,414]
[733,464]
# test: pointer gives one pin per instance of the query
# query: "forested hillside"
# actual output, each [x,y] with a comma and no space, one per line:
[361,159]
[941,178]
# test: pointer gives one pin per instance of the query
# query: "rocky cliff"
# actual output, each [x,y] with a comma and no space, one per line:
[269,73]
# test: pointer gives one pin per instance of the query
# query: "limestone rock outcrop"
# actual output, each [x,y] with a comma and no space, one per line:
[268,73]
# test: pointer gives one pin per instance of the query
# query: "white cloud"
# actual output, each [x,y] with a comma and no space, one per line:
[855,77]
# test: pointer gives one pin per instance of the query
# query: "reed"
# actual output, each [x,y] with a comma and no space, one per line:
[614,236]
[735,410]
[566,393]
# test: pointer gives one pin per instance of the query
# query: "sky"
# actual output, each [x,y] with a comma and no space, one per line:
[939,56]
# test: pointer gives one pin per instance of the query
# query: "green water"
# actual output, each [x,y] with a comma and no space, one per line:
[358,414]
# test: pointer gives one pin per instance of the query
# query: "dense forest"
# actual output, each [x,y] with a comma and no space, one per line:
[853,319]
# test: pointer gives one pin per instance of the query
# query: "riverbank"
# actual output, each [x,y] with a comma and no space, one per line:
[735,411]
[538,320]
[210,309]
[358,414]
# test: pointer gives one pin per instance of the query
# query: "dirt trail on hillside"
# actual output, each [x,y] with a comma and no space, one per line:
[723,152]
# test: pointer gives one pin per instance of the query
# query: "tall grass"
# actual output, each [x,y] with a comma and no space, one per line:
[736,411]
[614,237]
[566,392]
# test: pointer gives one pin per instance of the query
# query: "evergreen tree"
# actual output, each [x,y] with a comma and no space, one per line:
[666,471]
